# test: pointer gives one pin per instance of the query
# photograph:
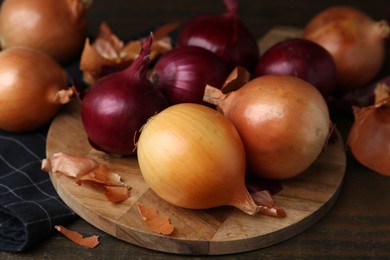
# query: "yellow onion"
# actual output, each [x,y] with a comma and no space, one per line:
[355,41]
[283,122]
[33,87]
[369,136]
[56,27]
[192,156]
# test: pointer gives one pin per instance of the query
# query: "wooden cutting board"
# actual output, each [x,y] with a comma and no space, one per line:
[223,230]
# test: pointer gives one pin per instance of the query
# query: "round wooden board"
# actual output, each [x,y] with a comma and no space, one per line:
[223,230]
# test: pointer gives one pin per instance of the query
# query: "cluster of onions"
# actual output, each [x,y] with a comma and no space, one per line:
[33,87]
[369,135]
[300,58]
[182,74]
[116,106]
[283,122]
[55,27]
[199,162]
[226,35]
[355,41]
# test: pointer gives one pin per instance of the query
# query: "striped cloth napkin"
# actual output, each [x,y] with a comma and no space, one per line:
[29,205]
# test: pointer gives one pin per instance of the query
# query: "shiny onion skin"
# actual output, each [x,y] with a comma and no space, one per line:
[369,136]
[33,87]
[356,42]
[116,106]
[56,27]
[283,121]
[192,157]
[301,58]
[182,74]
[226,35]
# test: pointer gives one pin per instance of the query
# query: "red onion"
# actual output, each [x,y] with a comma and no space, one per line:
[118,105]
[300,58]
[226,35]
[182,74]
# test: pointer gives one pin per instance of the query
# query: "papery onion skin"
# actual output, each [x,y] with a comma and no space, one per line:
[300,58]
[116,107]
[182,74]
[368,138]
[56,27]
[226,35]
[283,121]
[356,42]
[192,156]
[33,87]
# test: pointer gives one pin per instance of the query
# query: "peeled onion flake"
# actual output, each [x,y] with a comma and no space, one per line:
[108,53]
[369,136]
[87,170]
[155,222]
[236,79]
[90,242]
[266,204]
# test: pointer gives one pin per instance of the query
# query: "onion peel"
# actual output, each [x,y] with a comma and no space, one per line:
[88,170]
[236,79]
[370,132]
[90,242]
[266,204]
[154,221]
[108,53]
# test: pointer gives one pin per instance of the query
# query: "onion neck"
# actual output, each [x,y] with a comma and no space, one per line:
[77,9]
[384,28]
[63,96]
[214,96]
[139,67]
[244,202]
[231,7]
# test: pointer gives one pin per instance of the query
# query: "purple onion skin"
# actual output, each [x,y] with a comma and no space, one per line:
[116,107]
[182,74]
[303,59]
[226,35]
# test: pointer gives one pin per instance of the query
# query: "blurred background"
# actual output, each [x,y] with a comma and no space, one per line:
[128,20]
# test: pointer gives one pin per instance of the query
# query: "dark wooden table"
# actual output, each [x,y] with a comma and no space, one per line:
[358,225]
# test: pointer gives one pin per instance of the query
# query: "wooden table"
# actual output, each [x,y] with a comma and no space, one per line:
[358,225]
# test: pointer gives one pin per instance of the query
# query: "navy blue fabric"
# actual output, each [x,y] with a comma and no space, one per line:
[29,205]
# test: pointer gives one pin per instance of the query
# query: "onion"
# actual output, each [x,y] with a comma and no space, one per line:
[192,156]
[283,121]
[56,27]
[33,87]
[226,35]
[115,108]
[369,136]
[300,58]
[356,42]
[182,74]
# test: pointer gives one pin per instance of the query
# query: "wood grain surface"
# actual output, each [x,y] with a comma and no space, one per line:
[223,230]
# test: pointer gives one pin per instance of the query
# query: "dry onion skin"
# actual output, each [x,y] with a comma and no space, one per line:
[33,87]
[55,27]
[356,42]
[192,157]
[283,122]
[369,136]
[108,54]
